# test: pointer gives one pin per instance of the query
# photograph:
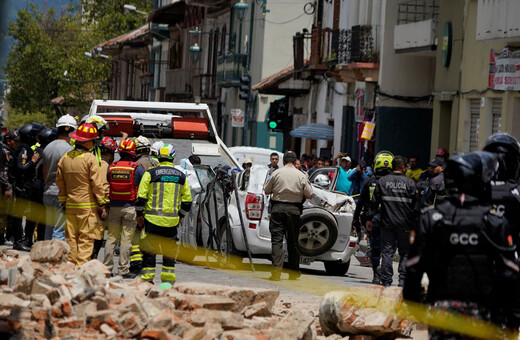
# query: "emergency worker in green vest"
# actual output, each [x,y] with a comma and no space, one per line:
[163,199]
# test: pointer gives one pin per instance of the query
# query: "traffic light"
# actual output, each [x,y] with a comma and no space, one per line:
[277,113]
[245,88]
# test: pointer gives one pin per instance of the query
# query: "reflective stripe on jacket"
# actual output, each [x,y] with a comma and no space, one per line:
[121,177]
[164,195]
[81,181]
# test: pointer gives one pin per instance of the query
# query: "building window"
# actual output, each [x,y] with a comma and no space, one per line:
[223,41]
[496,112]
[474,112]
[130,80]
[176,55]
[155,67]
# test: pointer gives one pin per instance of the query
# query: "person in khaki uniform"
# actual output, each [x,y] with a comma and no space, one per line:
[82,192]
[143,147]
[124,177]
[289,187]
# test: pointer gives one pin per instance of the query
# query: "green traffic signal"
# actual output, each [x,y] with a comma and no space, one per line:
[273,125]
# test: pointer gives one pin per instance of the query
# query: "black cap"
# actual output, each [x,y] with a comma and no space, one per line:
[437,161]
[14,135]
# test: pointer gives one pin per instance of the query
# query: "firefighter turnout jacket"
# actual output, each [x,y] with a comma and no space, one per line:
[164,195]
[81,182]
[104,170]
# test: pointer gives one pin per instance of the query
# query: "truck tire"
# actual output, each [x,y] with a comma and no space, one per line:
[317,233]
[336,268]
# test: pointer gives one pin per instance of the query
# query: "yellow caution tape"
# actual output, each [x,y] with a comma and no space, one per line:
[361,297]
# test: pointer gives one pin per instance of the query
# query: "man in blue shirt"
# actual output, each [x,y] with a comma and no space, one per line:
[343,183]
[356,178]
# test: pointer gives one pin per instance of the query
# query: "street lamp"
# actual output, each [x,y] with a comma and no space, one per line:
[241,8]
[132,8]
[195,53]
[195,31]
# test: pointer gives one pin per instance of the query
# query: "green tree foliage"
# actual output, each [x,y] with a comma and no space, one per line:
[19,118]
[48,61]
[110,19]
[48,58]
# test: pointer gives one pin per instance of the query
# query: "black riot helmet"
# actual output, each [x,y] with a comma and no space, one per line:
[470,174]
[47,135]
[507,148]
[29,131]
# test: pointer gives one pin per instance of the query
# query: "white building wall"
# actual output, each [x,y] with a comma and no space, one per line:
[402,74]
[339,101]
[280,25]
[323,111]
[498,19]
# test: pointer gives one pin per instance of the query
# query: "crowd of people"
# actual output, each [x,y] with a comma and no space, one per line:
[71,171]
[456,221]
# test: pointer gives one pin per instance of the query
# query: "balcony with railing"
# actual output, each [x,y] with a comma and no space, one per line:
[416,29]
[229,69]
[353,53]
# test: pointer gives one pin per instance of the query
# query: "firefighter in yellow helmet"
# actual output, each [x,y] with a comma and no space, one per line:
[164,197]
[82,192]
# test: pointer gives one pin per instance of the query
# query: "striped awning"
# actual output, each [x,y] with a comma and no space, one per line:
[314,131]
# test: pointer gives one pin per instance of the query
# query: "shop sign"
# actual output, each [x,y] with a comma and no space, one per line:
[237,118]
[447,38]
[504,70]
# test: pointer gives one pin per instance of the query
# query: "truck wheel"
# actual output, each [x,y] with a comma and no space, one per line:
[336,268]
[318,232]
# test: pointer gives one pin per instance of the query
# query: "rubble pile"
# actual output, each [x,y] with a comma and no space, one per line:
[372,311]
[42,296]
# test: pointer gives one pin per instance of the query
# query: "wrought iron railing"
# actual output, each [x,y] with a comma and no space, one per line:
[343,46]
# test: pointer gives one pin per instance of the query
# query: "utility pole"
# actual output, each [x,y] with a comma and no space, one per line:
[247,67]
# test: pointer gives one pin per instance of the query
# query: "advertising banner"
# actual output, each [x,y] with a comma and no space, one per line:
[504,70]
[237,118]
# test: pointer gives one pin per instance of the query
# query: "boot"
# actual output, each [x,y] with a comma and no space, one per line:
[18,243]
[377,278]
[29,233]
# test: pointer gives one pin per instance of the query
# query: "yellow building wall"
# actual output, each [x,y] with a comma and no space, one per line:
[474,85]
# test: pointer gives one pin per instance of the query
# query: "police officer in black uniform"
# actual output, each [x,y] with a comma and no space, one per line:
[23,171]
[394,198]
[505,189]
[5,184]
[465,246]
[382,167]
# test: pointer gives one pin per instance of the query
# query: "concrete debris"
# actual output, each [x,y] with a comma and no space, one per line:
[44,296]
[369,311]
[50,251]
[295,325]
